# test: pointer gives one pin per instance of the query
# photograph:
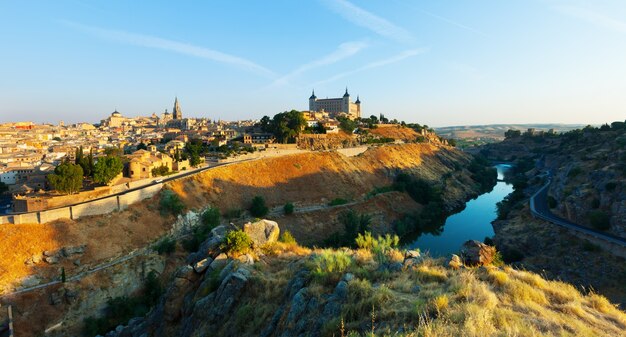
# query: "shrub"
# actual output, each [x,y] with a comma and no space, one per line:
[258,207]
[599,220]
[165,246]
[233,213]
[337,202]
[236,242]
[288,208]
[121,309]
[328,265]
[551,202]
[286,237]
[353,223]
[379,246]
[210,217]
[170,203]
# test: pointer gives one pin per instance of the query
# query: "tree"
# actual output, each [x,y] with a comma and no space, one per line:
[512,133]
[258,207]
[286,126]
[142,146]
[67,178]
[3,187]
[107,168]
[265,124]
[113,151]
[347,125]
[78,156]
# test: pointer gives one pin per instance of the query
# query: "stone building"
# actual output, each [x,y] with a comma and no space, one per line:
[336,106]
[142,162]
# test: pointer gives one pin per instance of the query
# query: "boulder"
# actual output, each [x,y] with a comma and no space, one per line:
[200,266]
[219,231]
[30,281]
[51,259]
[476,253]
[219,262]
[412,254]
[246,259]
[68,251]
[262,231]
[51,253]
[455,262]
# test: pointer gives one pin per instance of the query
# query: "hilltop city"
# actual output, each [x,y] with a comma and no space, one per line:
[153,146]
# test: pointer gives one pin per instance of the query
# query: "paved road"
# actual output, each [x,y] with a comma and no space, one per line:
[539,208]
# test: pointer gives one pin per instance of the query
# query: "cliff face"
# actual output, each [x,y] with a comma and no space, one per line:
[589,173]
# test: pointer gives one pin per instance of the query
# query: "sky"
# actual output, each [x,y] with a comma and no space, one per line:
[439,63]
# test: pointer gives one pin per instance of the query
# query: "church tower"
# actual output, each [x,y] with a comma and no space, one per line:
[177,113]
[312,100]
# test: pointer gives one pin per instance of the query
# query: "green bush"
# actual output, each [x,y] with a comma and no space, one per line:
[288,208]
[170,203]
[599,220]
[353,223]
[328,265]
[236,242]
[337,202]
[379,246]
[165,246]
[210,217]
[286,237]
[258,208]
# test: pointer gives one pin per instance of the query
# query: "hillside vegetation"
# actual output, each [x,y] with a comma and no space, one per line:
[319,177]
[282,289]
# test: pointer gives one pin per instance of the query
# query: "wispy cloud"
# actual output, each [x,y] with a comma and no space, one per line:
[454,23]
[172,46]
[345,50]
[365,19]
[376,64]
[593,18]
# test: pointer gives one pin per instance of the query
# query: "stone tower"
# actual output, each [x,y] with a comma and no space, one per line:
[345,102]
[177,113]
[312,100]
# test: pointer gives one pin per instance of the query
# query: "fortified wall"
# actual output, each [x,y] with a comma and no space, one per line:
[88,208]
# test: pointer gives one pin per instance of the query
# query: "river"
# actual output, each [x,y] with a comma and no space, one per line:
[472,223]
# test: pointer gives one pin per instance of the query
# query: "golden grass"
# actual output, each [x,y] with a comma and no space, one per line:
[426,273]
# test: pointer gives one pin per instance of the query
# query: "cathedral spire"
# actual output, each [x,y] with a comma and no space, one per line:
[177,113]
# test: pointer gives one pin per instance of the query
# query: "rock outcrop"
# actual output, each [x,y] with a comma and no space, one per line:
[262,231]
[476,253]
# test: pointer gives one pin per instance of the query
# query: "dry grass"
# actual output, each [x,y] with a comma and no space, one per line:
[105,236]
[436,301]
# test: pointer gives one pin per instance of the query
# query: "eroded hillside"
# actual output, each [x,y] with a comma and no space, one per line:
[318,177]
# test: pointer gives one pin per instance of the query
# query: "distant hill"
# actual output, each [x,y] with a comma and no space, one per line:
[475,135]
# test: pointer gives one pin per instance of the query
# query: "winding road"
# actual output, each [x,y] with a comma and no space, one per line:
[539,208]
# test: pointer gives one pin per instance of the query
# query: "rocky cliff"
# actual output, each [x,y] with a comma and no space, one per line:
[588,168]
[282,289]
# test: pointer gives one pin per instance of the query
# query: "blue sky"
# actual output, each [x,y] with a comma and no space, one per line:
[432,62]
